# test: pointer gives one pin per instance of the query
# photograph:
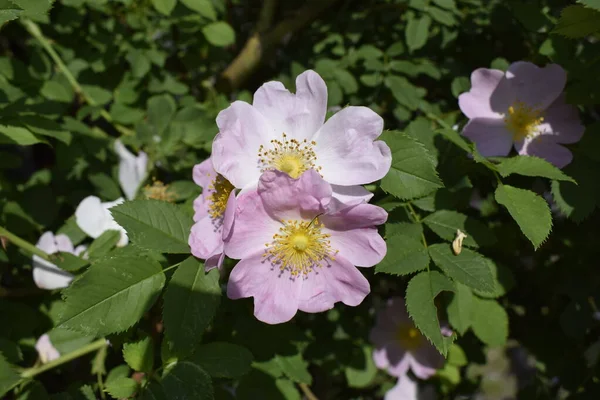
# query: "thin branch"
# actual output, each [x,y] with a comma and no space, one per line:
[24,244]
[307,392]
[264,41]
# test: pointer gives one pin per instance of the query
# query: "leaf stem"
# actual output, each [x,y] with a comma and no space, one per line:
[307,392]
[25,245]
[36,32]
[98,344]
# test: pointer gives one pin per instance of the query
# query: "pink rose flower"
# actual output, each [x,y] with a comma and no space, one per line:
[523,107]
[46,275]
[299,246]
[287,132]
[213,215]
[400,346]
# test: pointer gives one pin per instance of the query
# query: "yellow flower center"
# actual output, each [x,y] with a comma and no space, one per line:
[221,189]
[288,155]
[522,120]
[159,191]
[299,247]
[409,336]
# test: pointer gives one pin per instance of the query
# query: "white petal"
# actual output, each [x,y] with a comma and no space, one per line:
[93,217]
[48,276]
[47,243]
[405,389]
[46,349]
[132,169]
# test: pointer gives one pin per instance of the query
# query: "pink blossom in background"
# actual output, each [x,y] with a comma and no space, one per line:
[46,350]
[298,247]
[132,169]
[213,215]
[525,108]
[400,346]
[407,389]
[287,132]
[47,275]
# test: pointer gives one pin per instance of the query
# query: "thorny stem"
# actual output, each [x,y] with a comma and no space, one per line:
[31,372]
[36,32]
[307,392]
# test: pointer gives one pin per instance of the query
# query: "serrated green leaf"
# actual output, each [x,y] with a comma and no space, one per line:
[9,11]
[155,225]
[489,322]
[191,301]
[420,295]
[18,135]
[223,360]
[417,32]
[9,378]
[529,210]
[531,166]
[164,7]
[445,223]
[577,21]
[202,7]
[504,281]
[187,380]
[100,301]
[412,173]
[405,251]
[460,309]
[469,267]
[219,34]
[121,387]
[87,392]
[139,355]
[295,368]
[103,244]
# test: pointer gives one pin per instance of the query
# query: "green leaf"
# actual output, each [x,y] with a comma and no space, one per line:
[153,391]
[456,356]
[68,261]
[469,267]
[103,244]
[529,210]
[45,127]
[164,6]
[155,225]
[412,173]
[161,110]
[187,380]
[105,186]
[490,322]
[460,84]
[139,355]
[420,295]
[18,135]
[363,376]
[121,387]
[595,4]
[531,166]
[191,301]
[9,11]
[219,34]
[504,281]
[223,360]
[295,368]
[9,378]
[442,16]
[405,251]
[404,91]
[417,32]
[577,21]
[100,301]
[460,309]
[445,223]
[202,7]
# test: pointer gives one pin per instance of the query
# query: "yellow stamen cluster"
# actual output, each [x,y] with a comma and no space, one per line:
[522,120]
[409,336]
[221,189]
[299,247]
[159,191]
[288,155]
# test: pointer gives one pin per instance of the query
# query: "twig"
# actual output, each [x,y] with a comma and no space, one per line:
[25,245]
[36,32]
[307,392]
[263,41]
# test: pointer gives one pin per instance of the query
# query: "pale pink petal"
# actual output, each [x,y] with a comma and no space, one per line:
[298,115]
[380,358]
[363,247]
[425,361]
[253,227]
[347,150]
[275,293]
[405,389]
[200,205]
[48,276]
[242,129]
[399,360]
[206,238]
[328,284]
[535,86]
[47,243]
[204,174]
[215,261]
[132,169]
[354,217]
[46,350]
[543,147]
[287,198]
[489,97]
[229,215]
[490,136]
[561,123]
[350,195]
[63,243]
[80,250]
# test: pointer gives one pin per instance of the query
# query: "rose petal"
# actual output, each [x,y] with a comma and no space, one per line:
[405,389]
[535,86]
[47,243]
[425,361]
[242,129]
[215,261]
[363,247]
[204,174]
[350,195]
[206,238]
[490,136]
[544,147]
[298,115]
[347,150]
[354,217]
[48,276]
[561,123]
[489,97]
[229,215]
[132,169]
[275,293]
[91,216]
[63,243]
